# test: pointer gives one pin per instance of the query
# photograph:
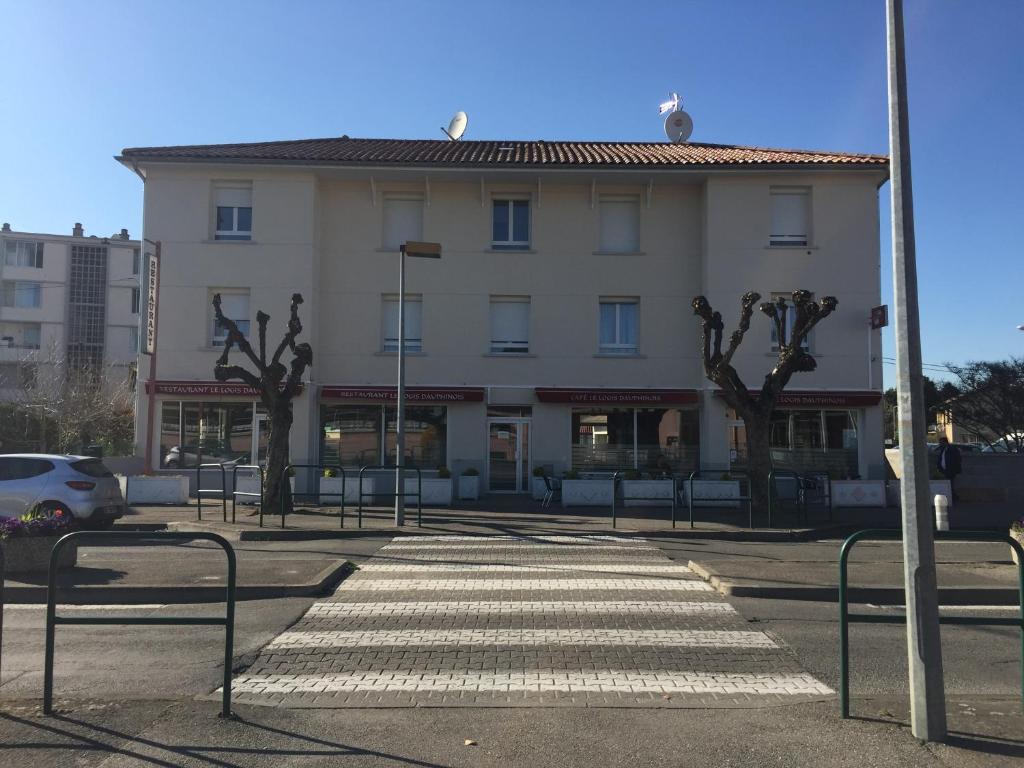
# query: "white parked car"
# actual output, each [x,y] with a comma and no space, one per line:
[79,486]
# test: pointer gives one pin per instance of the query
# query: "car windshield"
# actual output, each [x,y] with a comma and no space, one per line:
[91,467]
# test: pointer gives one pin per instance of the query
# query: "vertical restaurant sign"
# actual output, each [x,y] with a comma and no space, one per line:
[152,294]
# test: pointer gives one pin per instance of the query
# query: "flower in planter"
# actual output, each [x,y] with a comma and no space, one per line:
[330,472]
[34,523]
[444,473]
[630,474]
[571,474]
[470,472]
[1017,527]
[538,471]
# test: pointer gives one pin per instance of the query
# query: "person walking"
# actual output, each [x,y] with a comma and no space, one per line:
[950,464]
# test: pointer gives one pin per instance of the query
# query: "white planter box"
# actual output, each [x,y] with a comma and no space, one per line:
[935,488]
[154,489]
[858,493]
[647,493]
[537,488]
[713,493]
[330,490]
[469,487]
[586,493]
[437,492]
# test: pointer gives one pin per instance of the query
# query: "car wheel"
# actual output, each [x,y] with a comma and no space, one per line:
[53,509]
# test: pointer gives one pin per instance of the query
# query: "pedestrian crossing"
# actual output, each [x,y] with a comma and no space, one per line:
[522,621]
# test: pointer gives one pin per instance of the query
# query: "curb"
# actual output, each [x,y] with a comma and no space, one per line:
[323,583]
[877,595]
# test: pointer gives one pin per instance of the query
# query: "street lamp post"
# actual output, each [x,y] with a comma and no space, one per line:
[423,251]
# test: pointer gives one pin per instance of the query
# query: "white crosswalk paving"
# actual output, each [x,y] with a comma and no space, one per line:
[679,570]
[538,585]
[409,609]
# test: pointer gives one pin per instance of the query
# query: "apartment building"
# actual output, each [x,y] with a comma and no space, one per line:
[556,330]
[66,299]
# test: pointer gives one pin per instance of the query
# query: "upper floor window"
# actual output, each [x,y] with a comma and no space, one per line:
[510,224]
[403,220]
[136,261]
[20,335]
[234,211]
[791,216]
[790,322]
[413,323]
[23,253]
[618,326]
[510,324]
[133,339]
[136,297]
[234,304]
[19,293]
[620,224]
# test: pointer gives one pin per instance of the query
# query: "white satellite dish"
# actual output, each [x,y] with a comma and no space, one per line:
[678,126]
[457,126]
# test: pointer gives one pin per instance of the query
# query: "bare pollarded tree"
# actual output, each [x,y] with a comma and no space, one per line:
[277,385]
[755,407]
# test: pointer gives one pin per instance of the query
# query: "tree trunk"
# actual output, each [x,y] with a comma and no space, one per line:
[277,485]
[759,463]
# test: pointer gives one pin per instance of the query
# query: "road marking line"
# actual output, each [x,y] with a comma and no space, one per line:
[522,567]
[552,548]
[520,585]
[493,607]
[604,681]
[486,539]
[521,637]
[69,607]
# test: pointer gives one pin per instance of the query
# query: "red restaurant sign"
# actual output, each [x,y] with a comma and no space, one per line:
[212,388]
[824,399]
[617,396]
[412,394]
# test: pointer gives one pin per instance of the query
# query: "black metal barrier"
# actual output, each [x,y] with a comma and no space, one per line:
[734,476]
[289,472]
[235,493]
[399,493]
[889,533]
[120,538]
[617,481]
[221,493]
[801,485]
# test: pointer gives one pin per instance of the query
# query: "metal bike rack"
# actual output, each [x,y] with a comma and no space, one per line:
[138,538]
[696,475]
[617,480]
[845,617]
[289,472]
[221,493]
[398,492]
[235,493]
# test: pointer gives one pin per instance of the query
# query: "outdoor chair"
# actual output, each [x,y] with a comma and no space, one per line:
[553,490]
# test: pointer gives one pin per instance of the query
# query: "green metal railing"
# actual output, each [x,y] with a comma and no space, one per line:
[137,538]
[219,493]
[845,617]
[289,472]
[235,493]
[734,476]
[617,479]
[399,492]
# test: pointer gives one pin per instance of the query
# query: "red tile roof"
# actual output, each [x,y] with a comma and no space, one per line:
[498,154]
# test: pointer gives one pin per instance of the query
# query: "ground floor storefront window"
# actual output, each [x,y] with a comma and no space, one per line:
[654,440]
[193,433]
[811,441]
[366,435]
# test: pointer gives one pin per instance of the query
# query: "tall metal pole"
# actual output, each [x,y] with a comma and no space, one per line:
[400,422]
[153,282]
[927,698]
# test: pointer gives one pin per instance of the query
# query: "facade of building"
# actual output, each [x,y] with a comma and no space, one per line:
[66,300]
[556,330]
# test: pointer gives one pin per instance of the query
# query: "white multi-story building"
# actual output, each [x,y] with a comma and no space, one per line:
[67,300]
[557,328]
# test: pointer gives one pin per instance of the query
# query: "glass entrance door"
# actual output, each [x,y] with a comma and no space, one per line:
[508,451]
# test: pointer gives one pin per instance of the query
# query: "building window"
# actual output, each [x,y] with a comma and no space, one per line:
[657,441]
[234,304]
[620,224]
[234,211]
[403,220]
[359,435]
[133,340]
[790,322]
[812,441]
[20,335]
[136,261]
[510,324]
[193,433]
[791,216]
[21,294]
[136,294]
[413,323]
[23,253]
[510,224]
[618,326]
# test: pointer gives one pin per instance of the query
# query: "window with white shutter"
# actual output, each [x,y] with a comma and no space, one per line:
[791,216]
[234,303]
[413,323]
[790,321]
[233,211]
[403,220]
[620,223]
[510,324]
[618,331]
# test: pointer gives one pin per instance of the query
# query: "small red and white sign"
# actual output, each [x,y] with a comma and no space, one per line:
[616,396]
[879,317]
[412,394]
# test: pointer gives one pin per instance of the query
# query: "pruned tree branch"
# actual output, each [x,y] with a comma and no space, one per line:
[235,336]
[294,329]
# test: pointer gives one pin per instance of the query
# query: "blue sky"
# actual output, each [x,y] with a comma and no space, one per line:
[79,81]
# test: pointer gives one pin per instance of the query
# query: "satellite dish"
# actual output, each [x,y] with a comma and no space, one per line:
[678,126]
[457,126]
